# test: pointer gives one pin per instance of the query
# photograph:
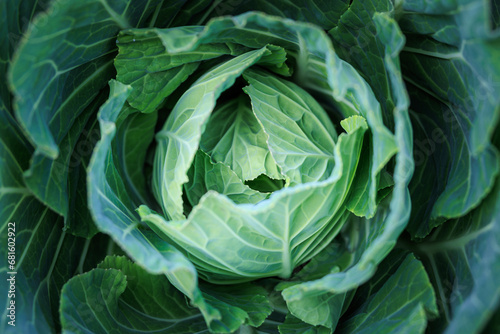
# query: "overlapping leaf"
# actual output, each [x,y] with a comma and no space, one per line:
[233,136]
[462,257]
[59,68]
[369,239]
[458,104]
[45,256]
[113,210]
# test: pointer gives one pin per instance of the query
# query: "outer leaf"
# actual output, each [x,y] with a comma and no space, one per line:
[293,325]
[112,207]
[356,41]
[41,100]
[135,132]
[58,70]
[234,137]
[411,294]
[232,243]
[326,14]
[45,256]
[464,88]
[180,136]
[301,137]
[121,297]
[462,257]
[15,18]
[166,12]
[324,309]
[248,299]
[359,40]
[59,182]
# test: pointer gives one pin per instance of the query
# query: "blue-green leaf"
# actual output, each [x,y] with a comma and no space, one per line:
[462,257]
[45,256]
[457,106]
[397,304]
[64,60]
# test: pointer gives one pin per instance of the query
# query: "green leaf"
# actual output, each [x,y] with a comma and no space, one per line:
[45,256]
[463,260]
[64,60]
[301,137]
[411,296]
[44,108]
[119,296]
[323,309]
[204,176]
[192,11]
[318,69]
[326,14]
[58,182]
[234,137]
[179,139]
[15,19]
[358,41]
[248,303]
[166,12]
[112,208]
[462,97]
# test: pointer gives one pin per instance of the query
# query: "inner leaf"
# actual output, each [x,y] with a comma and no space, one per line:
[265,184]
[234,137]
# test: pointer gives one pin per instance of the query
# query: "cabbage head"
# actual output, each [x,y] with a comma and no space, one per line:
[250,166]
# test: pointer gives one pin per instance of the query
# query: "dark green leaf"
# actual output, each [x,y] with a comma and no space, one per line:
[396,305]
[121,297]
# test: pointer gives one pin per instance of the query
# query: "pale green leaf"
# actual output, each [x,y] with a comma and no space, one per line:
[301,137]
[234,137]
[204,176]
[179,139]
